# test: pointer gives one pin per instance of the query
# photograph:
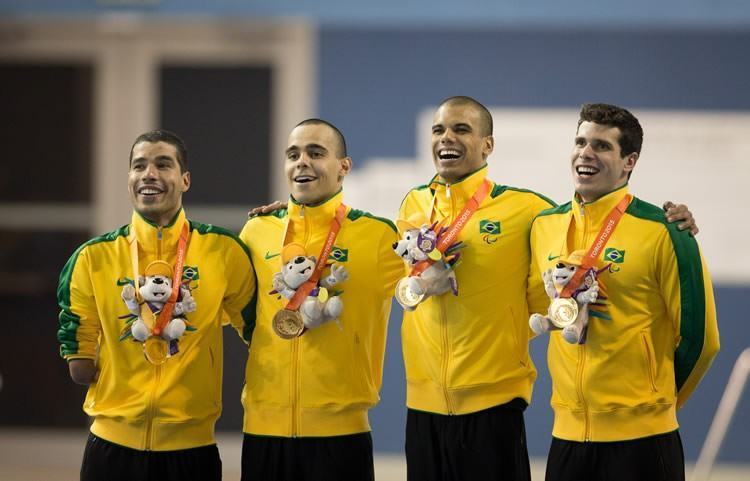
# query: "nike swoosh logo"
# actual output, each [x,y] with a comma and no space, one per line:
[124,282]
[550,257]
[271,256]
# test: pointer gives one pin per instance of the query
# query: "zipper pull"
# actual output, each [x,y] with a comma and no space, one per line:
[583,211]
[448,190]
[302,211]
[158,233]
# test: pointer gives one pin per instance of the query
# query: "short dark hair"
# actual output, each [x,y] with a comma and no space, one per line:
[631,132]
[167,137]
[484,114]
[339,136]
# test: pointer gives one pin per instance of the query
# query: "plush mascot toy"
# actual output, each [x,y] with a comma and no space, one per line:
[319,306]
[419,244]
[155,287]
[554,282]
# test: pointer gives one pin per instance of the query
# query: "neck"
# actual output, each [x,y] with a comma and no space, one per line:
[317,200]
[587,199]
[161,219]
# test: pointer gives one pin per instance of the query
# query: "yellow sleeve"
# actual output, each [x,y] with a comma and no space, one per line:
[240,299]
[79,326]
[536,296]
[686,288]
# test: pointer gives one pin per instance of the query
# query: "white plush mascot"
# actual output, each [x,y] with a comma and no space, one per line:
[155,287]
[554,282]
[419,243]
[319,307]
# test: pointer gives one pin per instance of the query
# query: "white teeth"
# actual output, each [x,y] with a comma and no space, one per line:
[149,191]
[304,178]
[585,169]
[451,152]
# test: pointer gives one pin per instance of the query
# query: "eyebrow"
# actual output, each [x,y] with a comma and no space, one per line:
[160,157]
[294,148]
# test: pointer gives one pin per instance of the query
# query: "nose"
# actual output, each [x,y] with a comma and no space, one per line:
[447,136]
[150,171]
[158,280]
[586,151]
[299,260]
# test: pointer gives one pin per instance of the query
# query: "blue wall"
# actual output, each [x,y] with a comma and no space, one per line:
[374,82]
[576,13]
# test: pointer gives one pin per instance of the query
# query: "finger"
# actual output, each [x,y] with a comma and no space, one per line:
[667,205]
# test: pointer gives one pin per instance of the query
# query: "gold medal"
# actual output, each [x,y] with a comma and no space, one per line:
[405,296]
[156,349]
[563,311]
[287,324]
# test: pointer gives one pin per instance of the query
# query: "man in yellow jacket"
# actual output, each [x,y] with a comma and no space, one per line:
[652,331]
[154,377]
[307,394]
[468,371]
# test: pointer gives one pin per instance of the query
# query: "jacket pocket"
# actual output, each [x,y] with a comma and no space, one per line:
[649,359]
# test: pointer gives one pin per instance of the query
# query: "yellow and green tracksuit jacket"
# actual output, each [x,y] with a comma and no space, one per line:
[134,403]
[470,352]
[650,339]
[323,382]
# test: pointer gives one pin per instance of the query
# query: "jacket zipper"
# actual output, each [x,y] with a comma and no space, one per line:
[150,413]
[295,348]
[444,325]
[446,356]
[581,366]
[582,353]
[157,369]
[295,384]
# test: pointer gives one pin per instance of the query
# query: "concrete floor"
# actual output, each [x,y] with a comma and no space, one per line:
[55,455]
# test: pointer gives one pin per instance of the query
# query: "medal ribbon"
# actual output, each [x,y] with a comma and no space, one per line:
[602,238]
[455,228]
[166,312]
[304,290]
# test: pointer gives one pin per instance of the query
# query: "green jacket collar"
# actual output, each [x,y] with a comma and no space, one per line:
[451,196]
[148,233]
[316,215]
[597,211]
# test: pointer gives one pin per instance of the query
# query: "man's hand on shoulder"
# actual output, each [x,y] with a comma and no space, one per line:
[680,212]
[83,371]
[266,209]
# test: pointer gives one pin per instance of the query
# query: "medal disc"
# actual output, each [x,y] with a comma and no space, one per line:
[563,312]
[288,324]
[155,349]
[405,296]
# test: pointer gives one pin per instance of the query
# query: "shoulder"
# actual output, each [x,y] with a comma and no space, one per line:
[221,234]
[420,191]
[551,214]
[510,191]
[104,239]
[682,241]
[360,216]
[95,243]
[275,214]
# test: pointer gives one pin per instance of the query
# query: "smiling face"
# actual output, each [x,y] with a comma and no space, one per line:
[460,143]
[597,165]
[314,166]
[156,182]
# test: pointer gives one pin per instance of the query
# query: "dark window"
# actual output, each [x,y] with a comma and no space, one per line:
[36,387]
[224,116]
[45,132]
